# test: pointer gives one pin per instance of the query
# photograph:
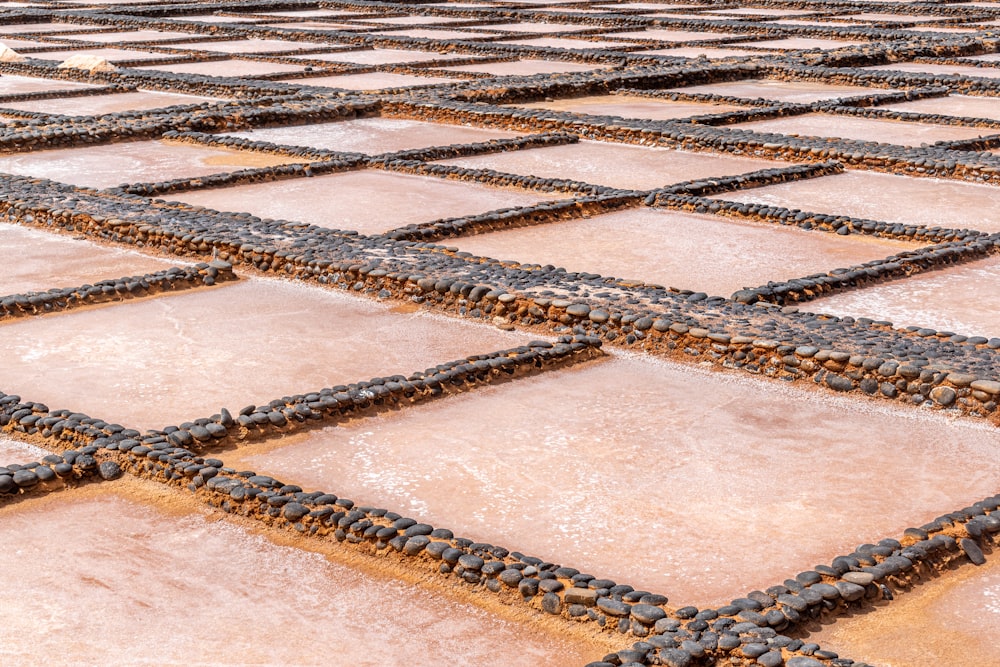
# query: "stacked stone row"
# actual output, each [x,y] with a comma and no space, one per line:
[203,274]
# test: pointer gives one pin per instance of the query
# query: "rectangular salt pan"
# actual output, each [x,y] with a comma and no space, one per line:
[908,200]
[382,56]
[93,105]
[701,253]
[210,592]
[142,161]
[780,91]
[525,67]
[369,81]
[903,133]
[155,362]
[374,135]
[578,469]
[248,46]
[631,106]
[229,68]
[960,299]
[402,200]
[127,36]
[46,260]
[952,105]
[111,55]
[14,85]
[614,165]
[942,69]
[949,620]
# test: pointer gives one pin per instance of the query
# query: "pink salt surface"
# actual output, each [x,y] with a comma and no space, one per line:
[525,67]
[699,51]
[102,104]
[247,46]
[11,84]
[750,11]
[986,57]
[430,33]
[647,496]
[127,36]
[211,18]
[959,299]
[614,165]
[952,105]
[901,199]
[111,55]
[538,27]
[781,91]
[801,43]
[12,451]
[229,68]
[12,43]
[565,43]
[886,131]
[412,20]
[314,13]
[952,620]
[369,81]
[674,35]
[177,357]
[402,199]
[374,135]
[11,28]
[632,106]
[382,56]
[669,248]
[46,260]
[314,25]
[959,70]
[869,17]
[141,161]
[208,592]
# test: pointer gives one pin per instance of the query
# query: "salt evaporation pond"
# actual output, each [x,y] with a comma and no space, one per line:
[14,451]
[403,199]
[614,165]
[92,105]
[632,106]
[702,253]
[576,467]
[111,165]
[46,260]
[952,105]
[175,358]
[904,133]
[953,620]
[933,202]
[781,91]
[374,135]
[962,299]
[119,579]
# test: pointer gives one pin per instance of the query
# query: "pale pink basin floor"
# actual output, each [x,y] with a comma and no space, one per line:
[952,620]
[369,81]
[962,299]
[614,165]
[128,583]
[402,199]
[669,248]
[902,133]
[102,104]
[114,164]
[13,451]
[576,467]
[174,358]
[630,106]
[46,260]
[887,197]
[228,68]
[781,91]
[374,135]
[952,105]
[961,70]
